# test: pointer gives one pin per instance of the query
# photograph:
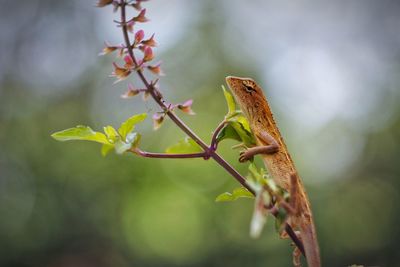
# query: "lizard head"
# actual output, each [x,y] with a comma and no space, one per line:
[248,95]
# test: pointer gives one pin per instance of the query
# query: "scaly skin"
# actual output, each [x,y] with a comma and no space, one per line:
[271,146]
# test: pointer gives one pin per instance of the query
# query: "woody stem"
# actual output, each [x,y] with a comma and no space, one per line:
[146,154]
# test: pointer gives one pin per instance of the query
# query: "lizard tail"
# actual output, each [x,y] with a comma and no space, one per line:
[310,243]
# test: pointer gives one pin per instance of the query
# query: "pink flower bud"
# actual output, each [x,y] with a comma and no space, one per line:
[148,54]
[139,36]
[108,49]
[150,42]
[158,119]
[120,73]
[129,64]
[130,93]
[156,69]
[141,17]
[186,107]
[129,25]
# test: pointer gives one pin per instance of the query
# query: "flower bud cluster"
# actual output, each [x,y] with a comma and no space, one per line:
[145,46]
[131,64]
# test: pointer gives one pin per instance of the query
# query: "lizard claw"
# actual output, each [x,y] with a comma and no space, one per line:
[245,155]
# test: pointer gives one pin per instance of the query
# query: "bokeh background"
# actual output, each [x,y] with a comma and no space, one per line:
[329,68]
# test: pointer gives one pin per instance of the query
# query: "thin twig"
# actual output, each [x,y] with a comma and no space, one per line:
[146,154]
[214,142]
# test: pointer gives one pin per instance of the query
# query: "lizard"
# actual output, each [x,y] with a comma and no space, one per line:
[271,146]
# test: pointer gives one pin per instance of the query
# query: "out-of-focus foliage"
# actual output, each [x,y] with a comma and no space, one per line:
[330,70]
[186,145]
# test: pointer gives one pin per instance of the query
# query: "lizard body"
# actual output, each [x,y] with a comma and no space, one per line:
[270,144]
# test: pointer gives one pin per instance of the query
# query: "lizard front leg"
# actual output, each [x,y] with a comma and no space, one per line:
[271,146]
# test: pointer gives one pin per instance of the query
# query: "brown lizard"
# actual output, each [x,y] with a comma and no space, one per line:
[276,157]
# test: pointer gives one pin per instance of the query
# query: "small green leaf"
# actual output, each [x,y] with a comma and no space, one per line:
[237,128]
[237,193]
[186,145]
[129,124]
[121,147]
[105,149]
[224,197]
[133,139]
[228,132]
[257,174]
[230,101]
[80,132]
[244,123]
[111,133]
[242,192]
[242,128]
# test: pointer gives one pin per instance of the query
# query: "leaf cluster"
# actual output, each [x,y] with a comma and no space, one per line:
[120,140]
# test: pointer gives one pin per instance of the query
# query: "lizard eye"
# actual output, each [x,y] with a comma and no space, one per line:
[249,89]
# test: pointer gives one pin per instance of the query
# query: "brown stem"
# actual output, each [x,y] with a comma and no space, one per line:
[219,128]
[289,230]
[168,156]
[156,95]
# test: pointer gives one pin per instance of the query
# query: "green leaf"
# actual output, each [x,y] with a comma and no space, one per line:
[111,133]
[228,132]
[244,123]
[133,139]
[257,174]
[80,132]
[121,147]
[237,128]
[230,101]
[186,145]
[129,124]
[257,178]
[242,128]
[105,149]
[237,193]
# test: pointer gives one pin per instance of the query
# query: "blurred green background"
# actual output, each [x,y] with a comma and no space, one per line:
[329,68]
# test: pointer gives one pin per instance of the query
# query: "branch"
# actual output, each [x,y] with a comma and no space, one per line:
[146,154]
[214,144]
[157,96]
